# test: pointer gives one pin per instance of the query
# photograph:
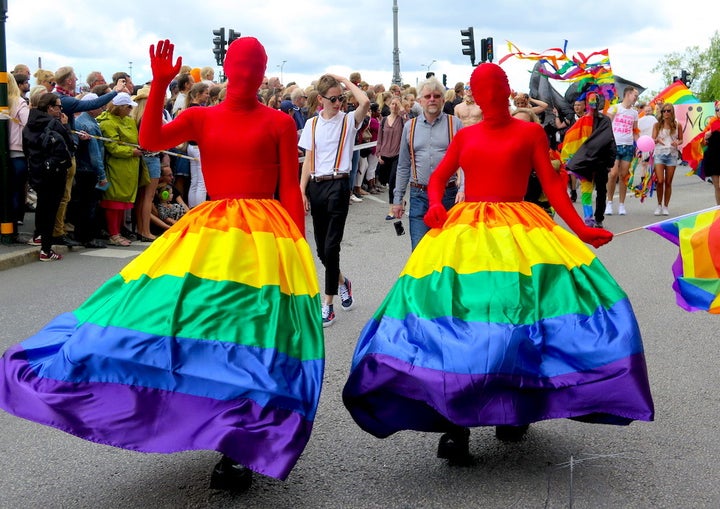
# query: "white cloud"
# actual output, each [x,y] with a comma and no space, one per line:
[315,36]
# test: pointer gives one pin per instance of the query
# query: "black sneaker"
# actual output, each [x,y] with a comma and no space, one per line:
[65,241]
[345,292]
[598,224]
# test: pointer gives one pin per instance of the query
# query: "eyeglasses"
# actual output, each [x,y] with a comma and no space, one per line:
[56,106]
[334,98]
[434,96]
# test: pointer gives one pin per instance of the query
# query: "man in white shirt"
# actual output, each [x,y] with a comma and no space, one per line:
[625,129]
[328,140]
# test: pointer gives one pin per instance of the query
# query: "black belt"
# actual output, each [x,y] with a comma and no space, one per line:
[334,176]
[423,187]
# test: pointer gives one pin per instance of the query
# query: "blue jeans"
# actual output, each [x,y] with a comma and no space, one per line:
[419,205]
[354,169]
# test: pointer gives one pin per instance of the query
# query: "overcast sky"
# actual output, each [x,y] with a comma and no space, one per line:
[306,38]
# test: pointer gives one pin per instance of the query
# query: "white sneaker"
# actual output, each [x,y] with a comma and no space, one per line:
[658,210]
[608,209]
[355,199]
[665,211]
[621,209]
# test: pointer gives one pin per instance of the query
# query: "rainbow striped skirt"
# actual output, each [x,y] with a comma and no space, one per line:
[211,339]
[501,317]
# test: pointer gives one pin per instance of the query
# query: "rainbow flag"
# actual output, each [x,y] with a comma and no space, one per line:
[676,93]
[501,317]
[211,339]
[693,151]
[697,268]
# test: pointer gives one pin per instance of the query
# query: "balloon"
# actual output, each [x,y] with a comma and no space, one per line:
[645,143]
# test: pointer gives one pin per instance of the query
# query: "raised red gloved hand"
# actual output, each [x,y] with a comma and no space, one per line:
[161,57]
[436,216]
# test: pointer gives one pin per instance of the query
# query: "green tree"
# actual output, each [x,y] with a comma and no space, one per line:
[703,67]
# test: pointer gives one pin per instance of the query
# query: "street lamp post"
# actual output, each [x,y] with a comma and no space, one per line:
[281,71]
[428,65]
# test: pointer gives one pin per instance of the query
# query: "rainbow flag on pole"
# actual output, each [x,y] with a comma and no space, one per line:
[676,93]
[697,268]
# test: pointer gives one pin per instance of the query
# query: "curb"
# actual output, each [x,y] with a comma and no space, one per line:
[23,256]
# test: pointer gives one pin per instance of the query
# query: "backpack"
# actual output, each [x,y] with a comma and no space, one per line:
[55,151]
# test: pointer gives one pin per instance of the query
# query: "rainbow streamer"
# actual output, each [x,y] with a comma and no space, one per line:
[641,181]
[697,268]
[211,339]
[499,318]
[593,69]
[676,93]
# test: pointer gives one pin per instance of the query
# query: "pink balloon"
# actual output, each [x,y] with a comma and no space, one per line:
[646,143]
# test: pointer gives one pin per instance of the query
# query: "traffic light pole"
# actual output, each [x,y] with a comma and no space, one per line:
[7,222]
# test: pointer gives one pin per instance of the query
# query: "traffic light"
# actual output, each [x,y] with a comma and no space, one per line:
[486,50]
[489,49]
[469,42]
[219,42]
[232,35]
[685,77]
[445,80]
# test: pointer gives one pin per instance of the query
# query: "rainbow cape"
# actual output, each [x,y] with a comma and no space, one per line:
[575,137]
[697,268]
[676,93]
[210,339]
[501,317]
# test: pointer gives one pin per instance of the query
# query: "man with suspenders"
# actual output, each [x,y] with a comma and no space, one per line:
[425,140]
[328,140]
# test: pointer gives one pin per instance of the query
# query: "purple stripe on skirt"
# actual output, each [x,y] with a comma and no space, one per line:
[385,395]
[267,440]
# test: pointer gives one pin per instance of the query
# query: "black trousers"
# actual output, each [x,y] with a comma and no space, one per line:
[82,210]
[50,188]
[329,203]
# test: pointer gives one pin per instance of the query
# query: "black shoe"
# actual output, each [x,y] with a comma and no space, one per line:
[142,238]
[598,224]
[65,241]
[511,433]
[95,244]
[455,447]
[573,195]
[127,234]
[231,476]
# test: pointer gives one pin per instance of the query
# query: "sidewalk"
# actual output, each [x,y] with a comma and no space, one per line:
[14,255]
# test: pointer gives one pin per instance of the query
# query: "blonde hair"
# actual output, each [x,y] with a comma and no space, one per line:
[43,75]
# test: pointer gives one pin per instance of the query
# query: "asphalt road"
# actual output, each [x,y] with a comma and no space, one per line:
[669,463]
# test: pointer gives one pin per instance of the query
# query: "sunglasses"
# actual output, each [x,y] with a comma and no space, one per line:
[334,98]
[670,111]
[434,96]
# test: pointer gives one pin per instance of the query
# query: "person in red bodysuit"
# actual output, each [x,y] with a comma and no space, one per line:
[513,148]
[524,323]
[249,154]
[247,151]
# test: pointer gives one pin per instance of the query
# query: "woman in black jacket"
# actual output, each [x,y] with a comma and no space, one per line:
[47,145]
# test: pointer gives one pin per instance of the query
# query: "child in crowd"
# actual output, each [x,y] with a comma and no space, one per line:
[169,207]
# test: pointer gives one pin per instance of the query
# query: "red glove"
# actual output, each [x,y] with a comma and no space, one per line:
[161,64]
[596,237]
[436,216]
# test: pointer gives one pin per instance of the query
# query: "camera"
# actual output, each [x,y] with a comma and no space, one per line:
[399,228]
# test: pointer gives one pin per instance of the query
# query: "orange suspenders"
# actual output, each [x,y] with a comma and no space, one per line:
[341,145]
[411,141]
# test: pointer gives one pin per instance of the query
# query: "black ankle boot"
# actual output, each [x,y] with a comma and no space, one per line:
[511,433]
[231,476]
[455,447]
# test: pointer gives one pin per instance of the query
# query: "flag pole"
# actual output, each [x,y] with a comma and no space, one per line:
[665,220]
